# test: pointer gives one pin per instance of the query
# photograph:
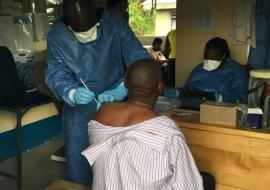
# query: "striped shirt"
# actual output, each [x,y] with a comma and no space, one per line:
[151,155]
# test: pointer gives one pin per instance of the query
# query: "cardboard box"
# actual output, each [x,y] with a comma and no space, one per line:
[218,113]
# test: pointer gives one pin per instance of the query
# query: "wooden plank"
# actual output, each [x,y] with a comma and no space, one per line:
[238,158]
[234,169]
[65,185]
[226,187]
[192,122]
[228,142]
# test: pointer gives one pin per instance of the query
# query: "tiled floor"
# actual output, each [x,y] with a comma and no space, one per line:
[38,169]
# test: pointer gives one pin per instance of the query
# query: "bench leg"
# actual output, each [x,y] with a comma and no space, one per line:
[19,150]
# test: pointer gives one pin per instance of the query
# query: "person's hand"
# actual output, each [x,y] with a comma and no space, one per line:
[171,93]
[117,94]
[218,96]
[81,96]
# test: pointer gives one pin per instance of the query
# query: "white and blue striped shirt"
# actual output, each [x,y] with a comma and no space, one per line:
[151,155]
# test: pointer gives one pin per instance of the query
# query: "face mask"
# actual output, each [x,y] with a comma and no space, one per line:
[210,65]
[88,36]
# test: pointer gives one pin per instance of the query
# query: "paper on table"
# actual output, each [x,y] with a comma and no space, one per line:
[255,111]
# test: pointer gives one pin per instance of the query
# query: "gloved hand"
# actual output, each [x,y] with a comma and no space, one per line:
[218,97]
[171,93]
[117,94]
[81,96]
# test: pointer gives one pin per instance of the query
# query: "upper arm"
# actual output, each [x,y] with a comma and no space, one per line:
[240,78]
[238,87]
[102,113]
[185,172]
[240,84]
[131,47]
[58,76]
[192,76]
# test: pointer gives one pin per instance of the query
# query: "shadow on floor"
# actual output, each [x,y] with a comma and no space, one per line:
[38,169]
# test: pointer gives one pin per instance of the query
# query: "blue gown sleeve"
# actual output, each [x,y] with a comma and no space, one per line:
[131,47]
[187,85]
[238,89]
[58,76]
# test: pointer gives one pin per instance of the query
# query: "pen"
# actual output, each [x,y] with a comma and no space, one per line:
[87,89]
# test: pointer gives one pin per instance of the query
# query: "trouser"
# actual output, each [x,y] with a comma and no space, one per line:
[76,140]
[163,68]
[170,73]
[209,182]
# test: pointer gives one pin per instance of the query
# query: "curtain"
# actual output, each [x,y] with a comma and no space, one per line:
[259,57]
[243,25]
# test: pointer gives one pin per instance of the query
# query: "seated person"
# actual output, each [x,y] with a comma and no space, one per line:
[218,74]
[31,74]
[135,148]
[155,51]
[26,72]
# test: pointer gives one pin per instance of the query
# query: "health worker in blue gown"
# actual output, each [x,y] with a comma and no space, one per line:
[91,48]
[218,73]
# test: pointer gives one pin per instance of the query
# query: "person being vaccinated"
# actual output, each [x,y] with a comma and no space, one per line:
[218,73]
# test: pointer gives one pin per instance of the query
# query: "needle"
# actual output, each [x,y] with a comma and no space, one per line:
[180,114]
[87,89]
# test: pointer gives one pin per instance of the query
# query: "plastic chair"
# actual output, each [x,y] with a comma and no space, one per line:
[259,93]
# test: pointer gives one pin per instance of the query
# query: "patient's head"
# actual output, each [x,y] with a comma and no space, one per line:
[144,81]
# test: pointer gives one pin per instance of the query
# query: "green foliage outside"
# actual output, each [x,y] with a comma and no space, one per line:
[142,23]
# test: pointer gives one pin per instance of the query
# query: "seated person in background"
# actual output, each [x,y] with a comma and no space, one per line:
[31,74]
[155,51]
[26,72]
[218,74]
[134,147]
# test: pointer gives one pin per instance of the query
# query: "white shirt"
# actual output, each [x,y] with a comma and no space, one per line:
[157,55]
[151,155]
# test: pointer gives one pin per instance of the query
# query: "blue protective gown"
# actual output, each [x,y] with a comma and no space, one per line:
[100,64]
[229,80]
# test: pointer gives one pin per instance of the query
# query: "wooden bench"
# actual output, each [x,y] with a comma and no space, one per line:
[65,185]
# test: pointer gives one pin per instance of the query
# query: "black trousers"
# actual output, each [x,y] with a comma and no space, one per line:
[170,73]
[209,182]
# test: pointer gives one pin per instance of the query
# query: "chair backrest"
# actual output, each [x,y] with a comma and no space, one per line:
[10,83]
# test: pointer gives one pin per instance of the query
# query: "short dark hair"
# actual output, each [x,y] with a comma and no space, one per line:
[219,44]
[143,77]
[157,41]
[113,3]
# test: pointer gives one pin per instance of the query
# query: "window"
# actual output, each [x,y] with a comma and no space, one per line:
[173,19]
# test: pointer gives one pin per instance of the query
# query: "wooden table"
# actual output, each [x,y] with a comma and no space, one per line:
[238,158]
[65,185]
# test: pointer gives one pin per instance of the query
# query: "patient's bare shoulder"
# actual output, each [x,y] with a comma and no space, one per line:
[108,112]
[121,114]
[103,111]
